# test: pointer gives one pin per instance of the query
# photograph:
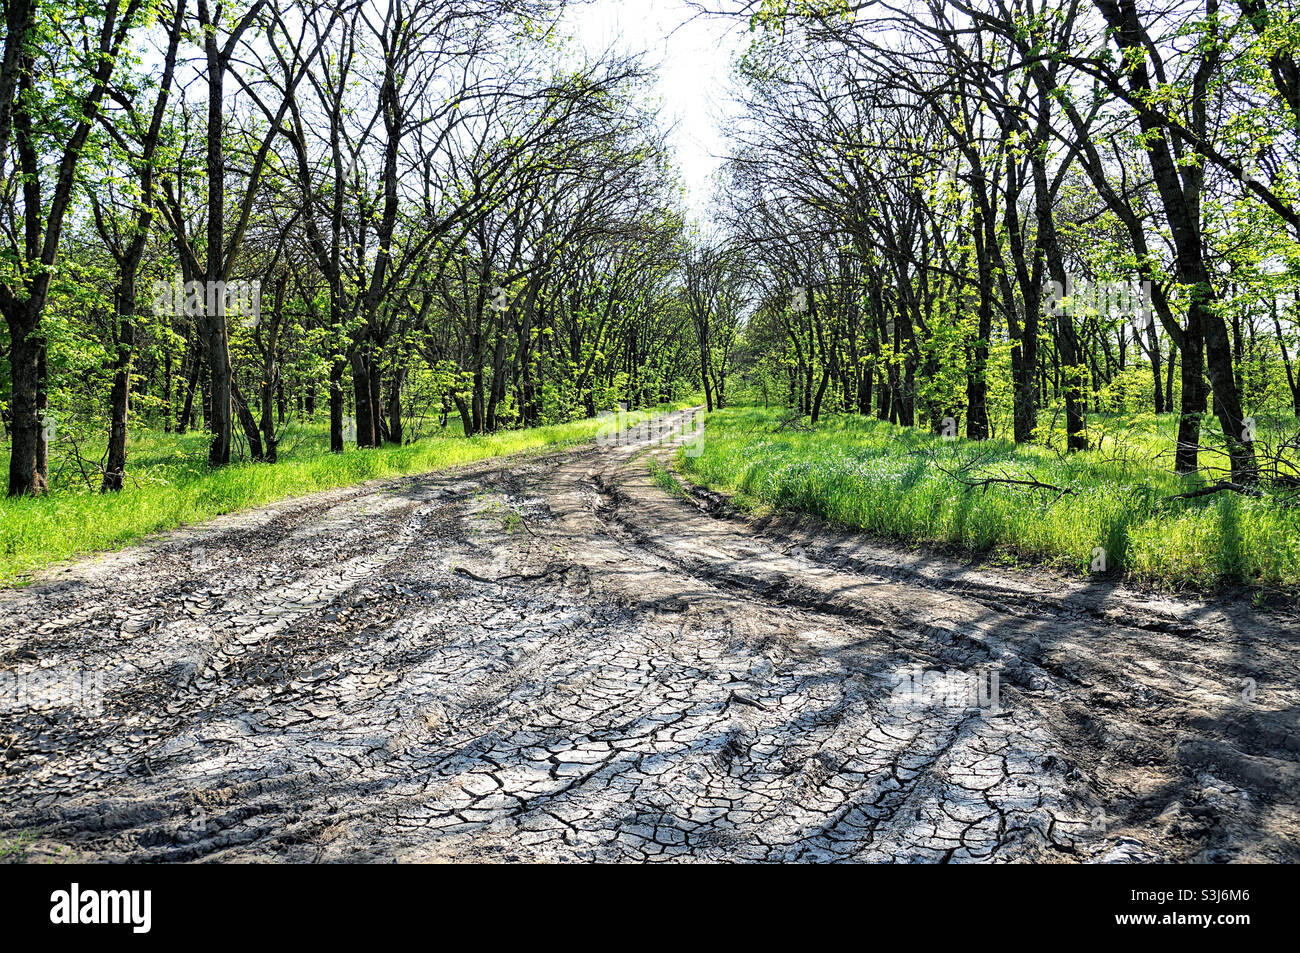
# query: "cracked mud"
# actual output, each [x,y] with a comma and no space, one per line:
[552,658]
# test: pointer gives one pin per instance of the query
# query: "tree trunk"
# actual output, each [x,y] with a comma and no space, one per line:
[220,421]
[1153,344]
[186,418]
[1193,399]
[119,400]
[268,402]
[25,475]
[167,390]
[367,435]
[977,416]
[395,406]
[336,404]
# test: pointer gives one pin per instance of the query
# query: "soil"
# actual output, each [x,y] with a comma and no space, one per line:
[551,658]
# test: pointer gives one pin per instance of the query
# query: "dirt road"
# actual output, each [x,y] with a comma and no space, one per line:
[552,658]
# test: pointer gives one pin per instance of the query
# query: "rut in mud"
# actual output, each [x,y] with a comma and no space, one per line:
[552,658]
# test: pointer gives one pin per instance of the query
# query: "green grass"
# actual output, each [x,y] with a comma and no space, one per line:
[887,480]
[15,849]
[665,480]
[170,485]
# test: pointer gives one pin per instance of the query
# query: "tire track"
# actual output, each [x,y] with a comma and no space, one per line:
[551,659]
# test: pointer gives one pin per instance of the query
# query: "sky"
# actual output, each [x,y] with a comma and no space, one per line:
[693,55]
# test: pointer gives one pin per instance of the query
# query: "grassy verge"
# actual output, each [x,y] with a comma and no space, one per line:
[170,485]
[887,480]
[665,480]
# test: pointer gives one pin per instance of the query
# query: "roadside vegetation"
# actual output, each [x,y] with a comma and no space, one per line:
[1023,283]
[1005,500]
[1024,278]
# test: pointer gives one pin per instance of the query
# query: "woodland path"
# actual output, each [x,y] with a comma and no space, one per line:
[553,658]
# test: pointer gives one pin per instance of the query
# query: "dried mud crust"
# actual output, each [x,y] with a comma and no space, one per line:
[553,659]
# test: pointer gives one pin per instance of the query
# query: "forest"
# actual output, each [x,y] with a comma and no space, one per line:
[1040,208]
[237,234]
[277,214]
[630,431]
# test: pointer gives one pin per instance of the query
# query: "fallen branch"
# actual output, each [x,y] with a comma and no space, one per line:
[1233,487]
[794,422]
[1219,488]
[1032,484]
[984,482]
